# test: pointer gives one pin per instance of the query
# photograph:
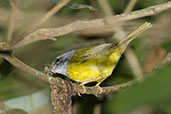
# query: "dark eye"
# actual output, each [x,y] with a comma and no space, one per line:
[57,60]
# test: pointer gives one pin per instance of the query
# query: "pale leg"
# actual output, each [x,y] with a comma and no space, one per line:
[82,85]
[98,85]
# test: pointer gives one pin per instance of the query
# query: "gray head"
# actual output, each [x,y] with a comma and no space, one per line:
[60,64]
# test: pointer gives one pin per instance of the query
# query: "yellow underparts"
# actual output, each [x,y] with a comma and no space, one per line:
[94,69]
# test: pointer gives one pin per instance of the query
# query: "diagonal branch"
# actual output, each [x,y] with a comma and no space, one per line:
[49,14]
[58,81]
[12,19]
[20,65]
[130,55]
[77,89]
[47,33]
[130,5]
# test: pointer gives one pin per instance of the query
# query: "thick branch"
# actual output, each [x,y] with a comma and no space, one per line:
[20,65]
[58,81]
[43,34]
[106,90]
[76,88]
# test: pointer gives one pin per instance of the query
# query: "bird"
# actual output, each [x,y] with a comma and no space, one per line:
[94,63]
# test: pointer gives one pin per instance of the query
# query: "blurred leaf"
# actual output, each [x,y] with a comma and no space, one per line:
[153,91]
[155,56]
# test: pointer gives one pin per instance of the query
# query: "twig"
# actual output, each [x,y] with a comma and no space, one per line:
[49,14]
[105,7]
[97,109]
[130,5]
[43,34]
[4,46]
[130,55]
[58,81]
[133,62]
[106,90]
[17,63]
[12,20]
[76,88]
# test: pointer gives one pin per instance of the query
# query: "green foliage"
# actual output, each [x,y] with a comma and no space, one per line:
[5,69]
[166,45]
[4,4]
[154,91]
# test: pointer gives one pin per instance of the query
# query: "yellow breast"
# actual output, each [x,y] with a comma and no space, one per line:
[83,72]
[93,69]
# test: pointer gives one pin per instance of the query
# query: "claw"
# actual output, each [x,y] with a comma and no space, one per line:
[84,89]
[79,94]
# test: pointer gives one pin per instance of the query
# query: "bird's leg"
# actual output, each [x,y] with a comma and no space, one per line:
[82,85]
[98,85]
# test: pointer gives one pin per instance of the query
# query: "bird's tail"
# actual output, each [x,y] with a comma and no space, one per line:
[124,43]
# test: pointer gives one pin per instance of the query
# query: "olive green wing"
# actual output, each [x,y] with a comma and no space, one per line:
[87,53]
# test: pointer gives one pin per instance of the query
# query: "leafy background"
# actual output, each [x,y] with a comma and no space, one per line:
[152,96]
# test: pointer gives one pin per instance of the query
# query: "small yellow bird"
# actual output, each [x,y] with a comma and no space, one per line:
[93,64]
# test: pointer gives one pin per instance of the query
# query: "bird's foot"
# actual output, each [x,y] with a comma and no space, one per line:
[84,89]
[100,89]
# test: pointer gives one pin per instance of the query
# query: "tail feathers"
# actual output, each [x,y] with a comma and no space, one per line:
[124,43]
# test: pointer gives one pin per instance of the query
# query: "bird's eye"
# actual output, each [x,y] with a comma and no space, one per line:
[57,60]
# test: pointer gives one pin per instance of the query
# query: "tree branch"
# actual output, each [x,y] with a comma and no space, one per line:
[58,81]
[23,67]
[12,20]
[48,33]
[76,87]
[130,5]
[130,55]
[4,46]
[49,14]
